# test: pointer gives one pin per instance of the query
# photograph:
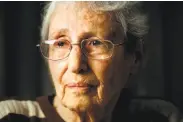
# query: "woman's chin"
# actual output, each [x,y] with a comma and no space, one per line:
[79,103]
[80,99]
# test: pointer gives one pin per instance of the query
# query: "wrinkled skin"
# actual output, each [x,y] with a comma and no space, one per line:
[109,76]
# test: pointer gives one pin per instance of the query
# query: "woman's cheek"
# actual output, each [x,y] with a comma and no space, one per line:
[57,69]
[100,69]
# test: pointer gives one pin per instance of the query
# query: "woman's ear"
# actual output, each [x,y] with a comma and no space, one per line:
[138,56]
[134,46]
[136,62]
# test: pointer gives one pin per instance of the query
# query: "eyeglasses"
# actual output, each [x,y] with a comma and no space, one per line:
[94,48]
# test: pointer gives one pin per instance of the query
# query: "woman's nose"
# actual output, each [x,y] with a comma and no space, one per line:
[77,61]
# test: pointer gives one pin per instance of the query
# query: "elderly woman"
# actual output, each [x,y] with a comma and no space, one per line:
[92,48]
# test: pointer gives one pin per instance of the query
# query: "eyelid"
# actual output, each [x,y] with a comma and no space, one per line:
[64,37]
[95,38]
[58,37]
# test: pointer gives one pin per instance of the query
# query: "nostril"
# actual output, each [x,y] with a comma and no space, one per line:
[81,71]
[83,68]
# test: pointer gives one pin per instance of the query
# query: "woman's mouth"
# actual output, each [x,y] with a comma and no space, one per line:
[80,87]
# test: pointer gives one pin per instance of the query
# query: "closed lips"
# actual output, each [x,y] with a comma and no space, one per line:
[79,85]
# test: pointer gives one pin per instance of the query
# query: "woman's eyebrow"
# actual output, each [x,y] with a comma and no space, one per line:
[59,33]
[65,32]
[86,35]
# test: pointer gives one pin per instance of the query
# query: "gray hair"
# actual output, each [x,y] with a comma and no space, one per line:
[126,12]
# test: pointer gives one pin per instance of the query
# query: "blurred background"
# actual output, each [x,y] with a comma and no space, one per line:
[23,72]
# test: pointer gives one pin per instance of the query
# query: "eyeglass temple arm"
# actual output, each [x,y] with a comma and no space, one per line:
[47,42]
[119,44]
[38,45]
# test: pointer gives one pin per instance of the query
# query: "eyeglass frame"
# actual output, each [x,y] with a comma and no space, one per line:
[80,43]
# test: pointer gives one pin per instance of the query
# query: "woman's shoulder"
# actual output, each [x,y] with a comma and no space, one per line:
[19,109]
[155,107]
[146,109]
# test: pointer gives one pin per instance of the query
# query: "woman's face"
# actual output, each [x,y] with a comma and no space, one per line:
[80,82]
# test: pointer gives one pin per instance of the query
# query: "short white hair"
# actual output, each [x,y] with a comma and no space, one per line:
[126,12]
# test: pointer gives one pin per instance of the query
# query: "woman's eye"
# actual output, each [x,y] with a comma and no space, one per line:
[95,42]
[60,43]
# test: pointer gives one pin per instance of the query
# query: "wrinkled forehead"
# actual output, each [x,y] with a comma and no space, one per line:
[82,10]
[76,13]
